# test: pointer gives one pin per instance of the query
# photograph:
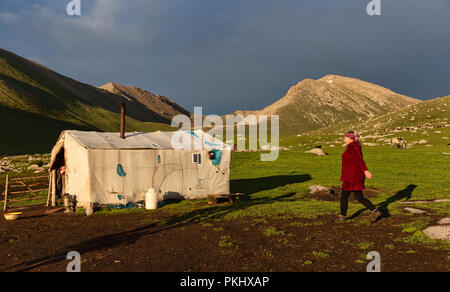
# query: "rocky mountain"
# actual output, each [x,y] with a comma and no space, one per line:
[313,104]
[159,104]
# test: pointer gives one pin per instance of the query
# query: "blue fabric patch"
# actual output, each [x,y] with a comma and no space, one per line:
[120,171]
[121,206]
[217,157]
[212,144]
[192,133]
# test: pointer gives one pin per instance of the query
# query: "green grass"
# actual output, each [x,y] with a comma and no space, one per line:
[272,231]
[26,200]
[389,246]
[365,245]
[225,241]
[321,254]
[418,225]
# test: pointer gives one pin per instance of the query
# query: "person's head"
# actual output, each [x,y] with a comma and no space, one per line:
[351,136]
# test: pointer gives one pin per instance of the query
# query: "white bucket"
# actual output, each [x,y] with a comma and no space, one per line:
[151,200]
[89,210]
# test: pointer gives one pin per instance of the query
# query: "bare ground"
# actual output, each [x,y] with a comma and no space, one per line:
[145,242]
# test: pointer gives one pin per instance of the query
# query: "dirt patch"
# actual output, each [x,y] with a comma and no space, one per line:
[334,195]
[154,242]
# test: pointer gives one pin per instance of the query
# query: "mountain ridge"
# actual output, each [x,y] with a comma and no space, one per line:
[45,102]
[159,104]
[313,104]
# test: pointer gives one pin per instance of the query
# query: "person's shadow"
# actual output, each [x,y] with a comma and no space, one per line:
[405,194]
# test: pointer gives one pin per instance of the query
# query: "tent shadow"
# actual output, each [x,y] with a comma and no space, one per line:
[121,239]
[256,185]
[404,194]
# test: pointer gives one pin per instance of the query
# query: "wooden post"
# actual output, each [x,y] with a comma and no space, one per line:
[54,188]
[6,193]
[49,188]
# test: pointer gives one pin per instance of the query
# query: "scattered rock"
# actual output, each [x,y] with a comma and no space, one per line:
[423,142]
[33,167]
[317,188]
[444,221]
[424,202]
[317,151]
[438,232]
[274,148]
[414,202]
[370,144]
[415,211]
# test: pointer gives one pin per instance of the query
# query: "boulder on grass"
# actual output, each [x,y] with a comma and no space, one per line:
[316,188]
[317,151]
[441,232]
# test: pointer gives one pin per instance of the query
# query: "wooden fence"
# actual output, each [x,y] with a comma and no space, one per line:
[19,189]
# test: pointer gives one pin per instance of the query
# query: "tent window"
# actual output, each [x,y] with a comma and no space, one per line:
[197,158]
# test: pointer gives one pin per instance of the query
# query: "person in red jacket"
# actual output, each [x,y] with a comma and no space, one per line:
[354,173]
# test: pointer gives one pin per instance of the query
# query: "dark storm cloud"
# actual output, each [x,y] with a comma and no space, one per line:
[235,54]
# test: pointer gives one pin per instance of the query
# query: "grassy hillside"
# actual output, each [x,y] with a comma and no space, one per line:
[37,103]
[24,132]
[428,114]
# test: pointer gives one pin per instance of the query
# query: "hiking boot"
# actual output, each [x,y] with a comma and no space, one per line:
[377,214]
[340,219]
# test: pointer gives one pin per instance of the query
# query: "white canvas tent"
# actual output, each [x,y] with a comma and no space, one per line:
[103,168]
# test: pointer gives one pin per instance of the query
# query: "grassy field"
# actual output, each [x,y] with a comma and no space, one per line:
[279,189]
[282,228]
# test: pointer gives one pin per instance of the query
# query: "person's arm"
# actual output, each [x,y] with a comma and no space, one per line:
[362,164]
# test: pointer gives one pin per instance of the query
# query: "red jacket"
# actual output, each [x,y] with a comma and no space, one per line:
[353,165]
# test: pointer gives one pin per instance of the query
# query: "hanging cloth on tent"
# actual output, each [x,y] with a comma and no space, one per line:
[215,156]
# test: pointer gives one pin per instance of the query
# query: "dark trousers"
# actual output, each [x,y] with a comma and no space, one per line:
[359,196]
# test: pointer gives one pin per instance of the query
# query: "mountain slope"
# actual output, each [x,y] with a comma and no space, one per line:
[37,103]
[313,104]
[429,114]
[159,104]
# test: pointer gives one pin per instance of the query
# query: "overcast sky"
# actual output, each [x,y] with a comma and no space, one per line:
[226,55]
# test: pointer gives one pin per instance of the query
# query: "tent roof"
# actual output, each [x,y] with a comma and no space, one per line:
[139,140]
